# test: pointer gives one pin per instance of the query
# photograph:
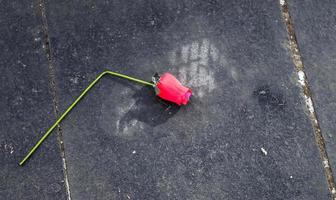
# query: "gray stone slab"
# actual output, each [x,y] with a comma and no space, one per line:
[316,34]
[26,108]
[244,134]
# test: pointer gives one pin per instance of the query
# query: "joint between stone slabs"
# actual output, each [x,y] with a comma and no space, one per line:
[41,9]
[306,93]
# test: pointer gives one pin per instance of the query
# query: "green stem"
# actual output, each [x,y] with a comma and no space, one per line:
[75,103]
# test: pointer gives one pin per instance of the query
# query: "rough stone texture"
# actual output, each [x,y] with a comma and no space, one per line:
[26,108]
[123,143]
[316,31]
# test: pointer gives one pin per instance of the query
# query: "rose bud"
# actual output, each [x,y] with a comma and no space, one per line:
[170,89]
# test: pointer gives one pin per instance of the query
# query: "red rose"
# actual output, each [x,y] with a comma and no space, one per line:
[170,89]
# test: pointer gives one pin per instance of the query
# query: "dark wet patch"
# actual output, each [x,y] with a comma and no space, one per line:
[269,98]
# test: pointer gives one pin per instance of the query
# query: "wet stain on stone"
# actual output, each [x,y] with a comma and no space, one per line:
[269,98]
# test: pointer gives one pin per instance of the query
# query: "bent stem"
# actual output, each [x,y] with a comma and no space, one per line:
[75,103]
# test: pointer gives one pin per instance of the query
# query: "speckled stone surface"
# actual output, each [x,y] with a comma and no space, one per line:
[243,136]
[26,108]
[316,31]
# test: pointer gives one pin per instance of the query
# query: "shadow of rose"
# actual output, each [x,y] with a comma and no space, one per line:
[149,109]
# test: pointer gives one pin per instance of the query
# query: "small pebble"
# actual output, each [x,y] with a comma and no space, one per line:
[263,151]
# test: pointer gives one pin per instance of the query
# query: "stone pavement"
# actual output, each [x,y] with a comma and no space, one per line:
[316,31]
[246,134]
[26,108]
